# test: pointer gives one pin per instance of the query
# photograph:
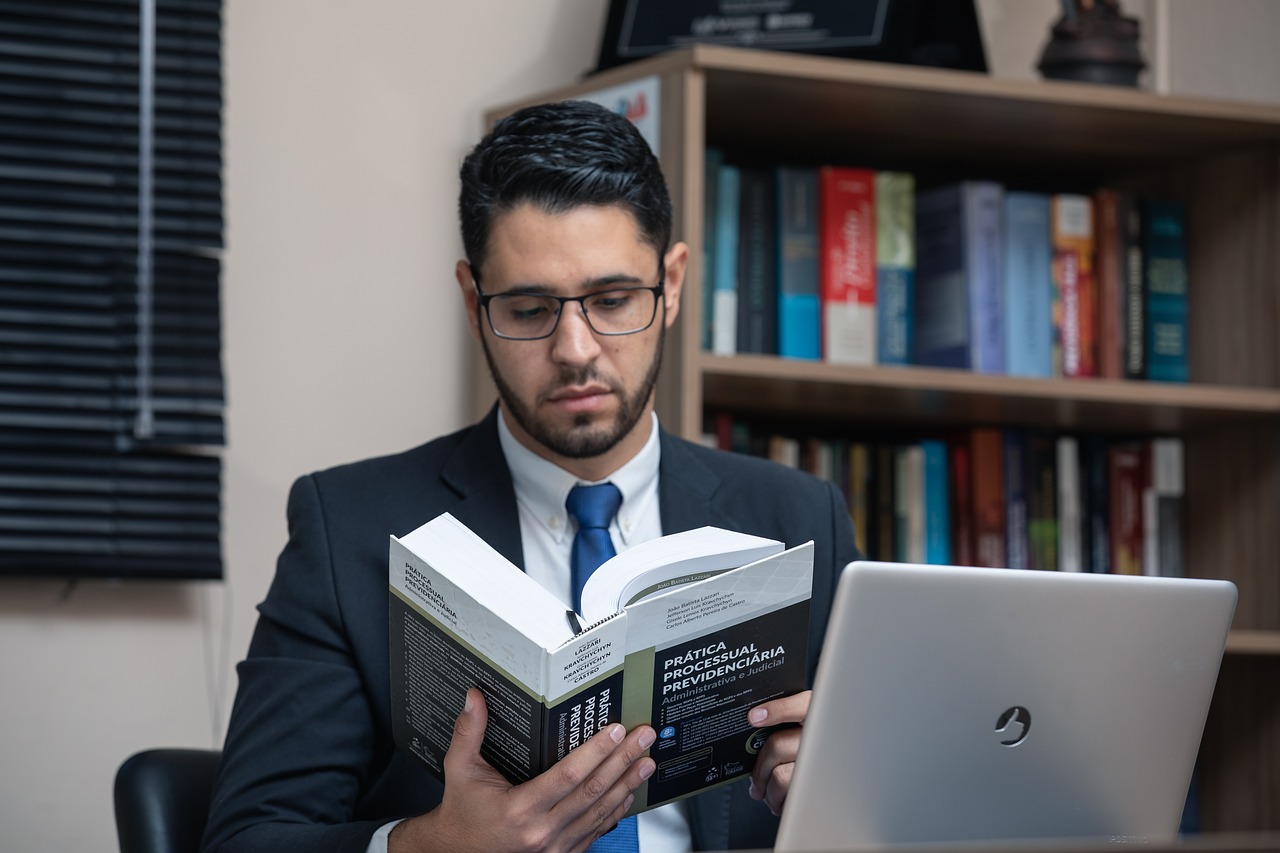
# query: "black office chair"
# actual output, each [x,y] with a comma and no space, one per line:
[162,799]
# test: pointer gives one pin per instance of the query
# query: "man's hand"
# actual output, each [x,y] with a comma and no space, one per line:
[771,778]
[577,800]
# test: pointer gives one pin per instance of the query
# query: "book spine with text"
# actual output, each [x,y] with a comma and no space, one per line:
[757,256]
[1028,285]
[895,265]
[1076,313]
[1166,291]
[724,303]
[847,264]
[799,314]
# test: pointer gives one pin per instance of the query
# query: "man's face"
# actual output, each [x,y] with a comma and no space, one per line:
[578,398]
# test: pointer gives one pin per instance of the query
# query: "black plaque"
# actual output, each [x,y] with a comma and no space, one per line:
[940,33]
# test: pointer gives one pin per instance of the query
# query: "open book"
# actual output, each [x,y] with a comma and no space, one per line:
[685,633]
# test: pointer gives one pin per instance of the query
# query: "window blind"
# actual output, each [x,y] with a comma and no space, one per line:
[111,385]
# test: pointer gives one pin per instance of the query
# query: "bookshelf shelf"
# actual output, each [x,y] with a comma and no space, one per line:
[930,397]
[1220,159]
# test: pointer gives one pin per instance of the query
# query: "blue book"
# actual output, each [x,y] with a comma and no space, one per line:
[895,265]
[712,161]
[937,503]
[724,305]
[959,316]
[799,317]
[1028,285]
[1165,245]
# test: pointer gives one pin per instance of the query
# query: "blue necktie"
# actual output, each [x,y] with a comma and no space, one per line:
[594,507]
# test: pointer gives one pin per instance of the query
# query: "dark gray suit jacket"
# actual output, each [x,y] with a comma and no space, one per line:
[309,762]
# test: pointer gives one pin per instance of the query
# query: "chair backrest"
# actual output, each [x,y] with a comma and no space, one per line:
[162,799]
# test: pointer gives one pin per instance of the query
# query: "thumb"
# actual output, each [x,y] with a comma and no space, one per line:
[468,732]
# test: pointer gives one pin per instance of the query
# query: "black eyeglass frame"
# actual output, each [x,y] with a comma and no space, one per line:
[657,290]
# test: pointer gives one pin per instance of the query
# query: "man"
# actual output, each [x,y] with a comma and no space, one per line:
[570,283]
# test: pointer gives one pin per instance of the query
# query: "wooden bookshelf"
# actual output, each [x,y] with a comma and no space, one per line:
[1222,159]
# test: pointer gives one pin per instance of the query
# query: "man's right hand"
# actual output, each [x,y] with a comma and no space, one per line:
[576,801]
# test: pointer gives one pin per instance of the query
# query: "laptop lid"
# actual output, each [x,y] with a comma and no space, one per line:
[958,704]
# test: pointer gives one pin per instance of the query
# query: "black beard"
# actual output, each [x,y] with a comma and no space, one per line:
[582,443]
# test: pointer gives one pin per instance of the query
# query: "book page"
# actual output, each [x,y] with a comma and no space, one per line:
[659,564]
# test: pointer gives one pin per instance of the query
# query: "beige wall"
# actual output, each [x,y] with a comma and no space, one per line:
[345,123]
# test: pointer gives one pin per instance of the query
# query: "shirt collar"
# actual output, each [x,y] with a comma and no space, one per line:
[542,486]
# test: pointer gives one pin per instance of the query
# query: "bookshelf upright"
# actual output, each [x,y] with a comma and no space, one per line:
[1222,159]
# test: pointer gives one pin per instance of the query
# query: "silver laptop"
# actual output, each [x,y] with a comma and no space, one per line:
[959,704]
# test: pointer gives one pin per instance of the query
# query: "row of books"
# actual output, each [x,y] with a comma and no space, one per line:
[1003,497]
[859,266]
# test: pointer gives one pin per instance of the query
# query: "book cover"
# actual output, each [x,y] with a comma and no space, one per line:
[895,265]
[713,159]
[1076,290]
[685,633]
[1110,274]
[1135,287]
[847,270]
[937,502]
[959,313]
[1028,285]
[987,461]
[799,313]
[724,303]
[757,260]
[1166,291]
[1017,534]
[1126,464]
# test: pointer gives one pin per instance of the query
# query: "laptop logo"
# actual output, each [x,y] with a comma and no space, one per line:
[1014,723]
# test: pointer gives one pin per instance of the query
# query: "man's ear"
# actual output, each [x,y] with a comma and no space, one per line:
[676,263]
[470,296]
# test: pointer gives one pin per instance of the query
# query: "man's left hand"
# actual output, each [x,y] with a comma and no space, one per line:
[771,778]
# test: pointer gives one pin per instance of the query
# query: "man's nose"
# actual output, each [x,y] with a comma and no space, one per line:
[575,343]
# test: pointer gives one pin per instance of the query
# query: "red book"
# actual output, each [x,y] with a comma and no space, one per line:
[847,264]
[1126,472]
[987,460]
[962,545]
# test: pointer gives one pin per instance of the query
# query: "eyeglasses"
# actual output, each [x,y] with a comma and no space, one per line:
[521,316]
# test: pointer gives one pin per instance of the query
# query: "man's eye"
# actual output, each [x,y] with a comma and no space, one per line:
[611,301]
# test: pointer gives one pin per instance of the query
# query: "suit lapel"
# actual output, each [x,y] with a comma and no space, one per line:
[478,473]
[686,487]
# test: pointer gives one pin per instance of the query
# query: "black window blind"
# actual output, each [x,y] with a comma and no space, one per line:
[111,385]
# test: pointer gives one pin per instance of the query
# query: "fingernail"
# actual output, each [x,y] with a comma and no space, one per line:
[468,703]
[753,791]
[756,716]
[617,733]
[647,737]
[646,769]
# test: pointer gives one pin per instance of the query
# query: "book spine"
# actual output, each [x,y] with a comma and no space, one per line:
[1042,501]
[799,316]
[860,494]
[757,255]
[1135,283]
[1017,534]
[1028,285]
[713,159]
[962,534]
[983,213]
[941,299]
[724,312]
[1093,465]
[1073,247]
[847,264]
[937,503]
[988,497]
[1110,276]
[1070,532]
[1126,472]
[883,544]
[1166,292]
[895,265]
[1162,509]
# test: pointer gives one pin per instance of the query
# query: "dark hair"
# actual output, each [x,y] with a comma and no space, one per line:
[559,156]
